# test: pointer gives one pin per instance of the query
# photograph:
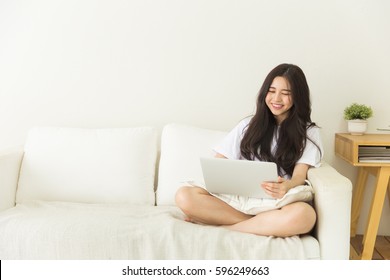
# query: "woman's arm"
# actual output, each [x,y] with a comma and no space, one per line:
[280,188]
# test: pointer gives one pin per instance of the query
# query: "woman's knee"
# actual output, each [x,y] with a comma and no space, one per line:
[186,197]
[301,217]
[182,196]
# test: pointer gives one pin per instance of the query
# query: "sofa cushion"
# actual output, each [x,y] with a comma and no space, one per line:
[89,165]
[181,148]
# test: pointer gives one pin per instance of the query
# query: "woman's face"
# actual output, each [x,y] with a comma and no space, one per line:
[279,99]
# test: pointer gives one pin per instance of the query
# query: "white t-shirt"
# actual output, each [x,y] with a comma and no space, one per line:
[230,145]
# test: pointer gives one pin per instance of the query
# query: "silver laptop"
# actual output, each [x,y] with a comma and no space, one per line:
[240,177]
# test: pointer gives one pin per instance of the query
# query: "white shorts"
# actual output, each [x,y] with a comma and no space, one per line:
[254,206]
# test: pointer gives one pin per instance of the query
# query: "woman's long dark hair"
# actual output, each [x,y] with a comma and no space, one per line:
[292,135]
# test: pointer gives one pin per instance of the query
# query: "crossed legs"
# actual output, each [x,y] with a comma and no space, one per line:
[201,207]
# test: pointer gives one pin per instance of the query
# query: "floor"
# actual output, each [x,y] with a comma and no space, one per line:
[382,247]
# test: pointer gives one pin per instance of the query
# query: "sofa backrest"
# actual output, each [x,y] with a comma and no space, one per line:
[89,165]
[181,148]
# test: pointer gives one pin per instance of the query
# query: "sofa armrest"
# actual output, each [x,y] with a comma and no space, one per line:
[10,162]
[332,201]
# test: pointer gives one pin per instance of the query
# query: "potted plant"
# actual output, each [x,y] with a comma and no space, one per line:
[357,115]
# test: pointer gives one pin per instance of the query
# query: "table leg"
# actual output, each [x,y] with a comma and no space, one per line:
[375,212]
[388,191]
[358,198]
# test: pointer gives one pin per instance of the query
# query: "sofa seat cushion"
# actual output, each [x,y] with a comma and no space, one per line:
[59,230]
[114,165]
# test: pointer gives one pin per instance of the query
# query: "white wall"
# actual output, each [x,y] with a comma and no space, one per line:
[141,62]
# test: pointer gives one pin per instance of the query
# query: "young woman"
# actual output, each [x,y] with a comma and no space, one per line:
[281,131]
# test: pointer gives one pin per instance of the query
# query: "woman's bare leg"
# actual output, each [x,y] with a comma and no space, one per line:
[293,219]
[200,206]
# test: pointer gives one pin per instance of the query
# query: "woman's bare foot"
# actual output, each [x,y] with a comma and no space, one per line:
[188,219]
[193,221]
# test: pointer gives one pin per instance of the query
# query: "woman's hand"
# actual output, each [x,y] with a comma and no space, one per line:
[282,186]
[276,189]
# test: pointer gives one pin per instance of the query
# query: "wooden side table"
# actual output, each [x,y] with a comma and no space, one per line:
[347,147]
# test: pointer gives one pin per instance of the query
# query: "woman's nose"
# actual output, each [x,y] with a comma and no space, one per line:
[278,96]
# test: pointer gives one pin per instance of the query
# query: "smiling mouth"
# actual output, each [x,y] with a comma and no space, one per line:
[277,106]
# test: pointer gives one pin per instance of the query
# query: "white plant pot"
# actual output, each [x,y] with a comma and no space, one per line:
[357,127]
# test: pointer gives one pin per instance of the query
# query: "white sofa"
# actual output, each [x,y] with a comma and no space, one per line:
[90,194]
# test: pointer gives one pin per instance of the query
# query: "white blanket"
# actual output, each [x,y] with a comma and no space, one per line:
[55,230]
